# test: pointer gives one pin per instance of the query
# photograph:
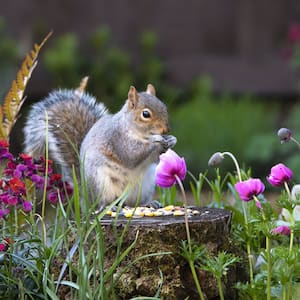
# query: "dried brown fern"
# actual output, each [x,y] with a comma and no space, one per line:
[15,97]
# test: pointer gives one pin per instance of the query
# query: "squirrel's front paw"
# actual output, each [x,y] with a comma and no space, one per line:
[166,141]
[170,141]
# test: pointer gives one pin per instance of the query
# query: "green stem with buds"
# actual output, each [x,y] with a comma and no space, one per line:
[235,163]
[188,235]
[269,267]
[246,220]
[292,230]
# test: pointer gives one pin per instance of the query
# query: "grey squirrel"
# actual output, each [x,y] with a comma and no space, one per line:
[116,150]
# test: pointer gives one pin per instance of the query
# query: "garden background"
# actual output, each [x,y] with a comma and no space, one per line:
[228,70]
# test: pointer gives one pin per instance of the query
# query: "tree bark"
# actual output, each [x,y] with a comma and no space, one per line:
[169,273]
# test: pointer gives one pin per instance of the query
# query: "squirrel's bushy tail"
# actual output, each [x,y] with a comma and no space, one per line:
[65,117]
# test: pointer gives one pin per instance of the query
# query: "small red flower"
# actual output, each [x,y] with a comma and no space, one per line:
[25,156]
[4,144]
[8,241]
[17,185]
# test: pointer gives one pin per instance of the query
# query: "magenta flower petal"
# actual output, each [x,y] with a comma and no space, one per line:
[294,33]
[169,166]
[3,247]
[3,212]
[249,188]
[53,197]
[279,174]
[283,230]
[27,206]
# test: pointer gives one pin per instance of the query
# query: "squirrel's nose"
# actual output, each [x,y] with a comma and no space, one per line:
[165,129]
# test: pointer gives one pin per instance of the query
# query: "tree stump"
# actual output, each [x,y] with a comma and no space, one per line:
[169,272]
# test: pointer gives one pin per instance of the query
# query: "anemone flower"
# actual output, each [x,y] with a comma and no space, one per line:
[279,175]
[249,188]
[282,230]
[170,168]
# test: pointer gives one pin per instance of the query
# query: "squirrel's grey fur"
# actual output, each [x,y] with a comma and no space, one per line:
[117,150]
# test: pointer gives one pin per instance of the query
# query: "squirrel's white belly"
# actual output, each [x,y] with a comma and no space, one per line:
[113,180]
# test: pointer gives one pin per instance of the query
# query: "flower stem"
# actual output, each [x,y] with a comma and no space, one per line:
[284,293]
[287,189]
[292,229]
[191,262]
[269,268]
[195,277]
[248,249]
[188,235]
[221,295]
[295,141]
[235,163]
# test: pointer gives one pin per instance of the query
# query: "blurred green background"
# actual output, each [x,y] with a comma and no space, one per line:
[203,117]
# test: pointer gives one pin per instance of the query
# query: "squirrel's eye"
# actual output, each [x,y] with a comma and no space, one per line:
[146,114]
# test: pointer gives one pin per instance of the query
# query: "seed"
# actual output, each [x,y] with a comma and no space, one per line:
[139,214]
[169,207]
[149,213]
[158,213]
[178,213]
[128,214]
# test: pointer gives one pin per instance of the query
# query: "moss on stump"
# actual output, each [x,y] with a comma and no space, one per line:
[168,273]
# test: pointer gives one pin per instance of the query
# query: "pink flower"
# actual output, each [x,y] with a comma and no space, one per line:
[258,204]
[170,166]
[294,33]
[27,206]
[4,152]
[249,188]
[38,180]
[283,230]
[53,197]
[279,174]
[3,247]
[5,244]
[3,212]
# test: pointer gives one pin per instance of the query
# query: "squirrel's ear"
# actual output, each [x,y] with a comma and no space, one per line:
[150,89]
[133,97]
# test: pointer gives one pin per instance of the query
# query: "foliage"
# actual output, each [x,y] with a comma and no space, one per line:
[111,69]
[267,233]
[15,96]
[9,58]
[219,123]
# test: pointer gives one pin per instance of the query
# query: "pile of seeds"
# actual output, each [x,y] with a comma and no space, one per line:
[142,211]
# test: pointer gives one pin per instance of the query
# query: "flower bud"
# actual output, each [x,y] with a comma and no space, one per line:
[284,135]
[283,230]
[216,159]
[170,166]
[280,174]
[249,188]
